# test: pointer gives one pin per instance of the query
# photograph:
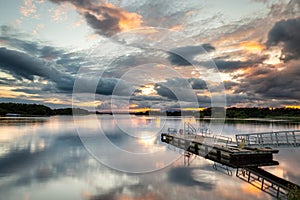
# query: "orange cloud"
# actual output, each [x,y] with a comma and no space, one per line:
[127,20]
[177,28]
[109,19]
[193,109]
[252,46]
[293,107]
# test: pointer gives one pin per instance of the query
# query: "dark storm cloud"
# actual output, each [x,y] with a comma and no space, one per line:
[243,99]
[283,85]
[180,88]
[286,32]
[183,56]
[229,85]
[165,91]
[113,86]
[184,91]
[15,39]
[224,65]
[197,84]
[24,65]
[68,61]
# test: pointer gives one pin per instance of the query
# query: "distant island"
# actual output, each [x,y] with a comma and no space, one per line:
[19,109]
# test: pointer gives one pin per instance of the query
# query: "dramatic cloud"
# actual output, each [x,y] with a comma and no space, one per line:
[273,84]
[286,32]
[65,60]
[167,14]
[183,56]
[105,18]
[24,65]
[228,65]
[180,89]
[247,47]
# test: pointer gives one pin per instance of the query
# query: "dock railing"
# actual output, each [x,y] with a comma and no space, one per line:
[270,139]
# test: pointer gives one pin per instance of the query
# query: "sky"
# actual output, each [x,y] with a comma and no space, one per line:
[137,54]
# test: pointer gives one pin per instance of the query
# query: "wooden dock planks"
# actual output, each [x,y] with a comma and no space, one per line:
[227,155]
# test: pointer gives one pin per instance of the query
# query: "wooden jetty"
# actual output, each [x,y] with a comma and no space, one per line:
[250,152]
[231,156]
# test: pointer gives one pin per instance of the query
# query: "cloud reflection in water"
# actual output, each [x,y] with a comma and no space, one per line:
[63,169]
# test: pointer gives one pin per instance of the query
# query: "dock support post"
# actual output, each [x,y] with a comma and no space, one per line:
[294,137]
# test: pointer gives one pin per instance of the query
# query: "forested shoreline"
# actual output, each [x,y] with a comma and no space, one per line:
[19,109]
[232,112]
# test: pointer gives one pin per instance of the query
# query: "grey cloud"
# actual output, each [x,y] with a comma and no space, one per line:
[287,32]
[108,23]
[113,86]
[283,85]
[173,88]
[184,91]
[24,65]
[17,40]
[6,81]
[183,56]
[197,84]
[166,14]
[75,2]
[67,61]
[242,99]
[227,65]
[148,98]
[107,26]
[230,84]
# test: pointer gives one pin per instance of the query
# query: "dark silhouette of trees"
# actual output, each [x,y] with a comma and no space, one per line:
[233,112]
[36,110]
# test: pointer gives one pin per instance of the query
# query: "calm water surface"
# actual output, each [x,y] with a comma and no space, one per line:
[44,158]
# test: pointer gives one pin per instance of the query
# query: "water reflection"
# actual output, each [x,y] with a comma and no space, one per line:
[46,160]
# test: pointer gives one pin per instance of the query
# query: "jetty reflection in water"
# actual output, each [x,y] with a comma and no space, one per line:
[45,159]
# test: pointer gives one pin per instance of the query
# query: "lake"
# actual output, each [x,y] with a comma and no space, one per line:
[121,157]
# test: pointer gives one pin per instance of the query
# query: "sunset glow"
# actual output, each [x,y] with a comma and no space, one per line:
[44,44]
[127,20]
[252,46]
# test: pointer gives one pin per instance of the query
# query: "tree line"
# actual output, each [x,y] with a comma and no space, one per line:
[36,110]
[253,112]
[232,112]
